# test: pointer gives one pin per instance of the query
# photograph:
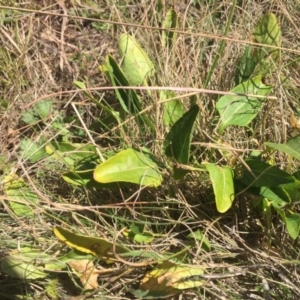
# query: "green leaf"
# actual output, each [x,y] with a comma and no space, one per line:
[32,151]
[136,64]
[86,178]
[293,190]
[29,118]
[129,166]
[245,66]
[178,141]
[128,99]
[267,32]
[138,234]
[21,198]
[199,236]
[222,181]
[25,263]
[43,108]
[292,147]
[292,222]
[72,155]
[173,109]
[277,195]
[241,110]
[263,174]
[171,22]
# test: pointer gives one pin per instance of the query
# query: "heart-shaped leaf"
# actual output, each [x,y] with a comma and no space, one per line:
[129,166]
[241,110]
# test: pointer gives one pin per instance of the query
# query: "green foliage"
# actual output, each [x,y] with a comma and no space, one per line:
[32,151]
[140,167]
[259,173]
[175,156]
[52,289]
[171,22]
[27,263]
[173,109]
[241,110]
[41,110]
[261,60]
[129,166]
[267,32]
[21,198]
[136,64]
[138,234]
[129,100]
[291,147]
[222,181]
[178,141]
[199,236]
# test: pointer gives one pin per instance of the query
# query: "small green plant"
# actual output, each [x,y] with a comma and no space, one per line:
[276,187]
[92,167]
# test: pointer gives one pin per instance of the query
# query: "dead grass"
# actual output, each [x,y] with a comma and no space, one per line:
[41,54]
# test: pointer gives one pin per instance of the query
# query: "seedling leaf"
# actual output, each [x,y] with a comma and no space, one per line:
[32,151]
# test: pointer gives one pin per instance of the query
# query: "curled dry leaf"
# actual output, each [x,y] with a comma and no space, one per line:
[87,273]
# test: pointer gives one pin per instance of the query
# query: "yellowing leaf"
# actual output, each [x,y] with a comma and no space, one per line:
[295,122]
[172,278]
[90,245]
